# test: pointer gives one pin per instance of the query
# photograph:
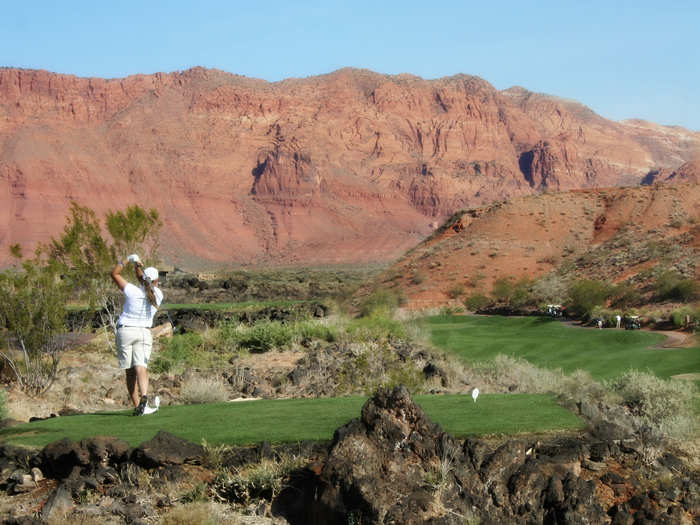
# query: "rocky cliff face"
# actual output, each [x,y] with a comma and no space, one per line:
[347,167]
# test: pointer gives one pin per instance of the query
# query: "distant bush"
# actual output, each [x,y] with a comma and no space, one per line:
[178,351]
[376,327]
[680,315]
[418,278]
[477,301]
[451,310]
[511,292]
[549,289]
[672,286]
[456,291]
[266,335]
[625,295]
[379,300]
[585,295]
[503,289]
[316,330]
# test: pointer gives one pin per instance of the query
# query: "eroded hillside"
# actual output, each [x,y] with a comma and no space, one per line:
[616,234]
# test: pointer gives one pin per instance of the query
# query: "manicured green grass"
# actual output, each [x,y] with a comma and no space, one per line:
[294,420]
[549,343]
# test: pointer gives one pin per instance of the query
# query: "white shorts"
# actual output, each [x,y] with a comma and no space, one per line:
[134,346]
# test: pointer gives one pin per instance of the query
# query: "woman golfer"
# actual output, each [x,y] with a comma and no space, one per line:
[134,340]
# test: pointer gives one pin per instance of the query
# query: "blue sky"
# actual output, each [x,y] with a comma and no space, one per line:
[624,59]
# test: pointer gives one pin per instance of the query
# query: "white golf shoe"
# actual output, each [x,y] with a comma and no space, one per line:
[151,410]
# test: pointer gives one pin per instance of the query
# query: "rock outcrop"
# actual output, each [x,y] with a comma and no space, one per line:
[350,166]
[393,465]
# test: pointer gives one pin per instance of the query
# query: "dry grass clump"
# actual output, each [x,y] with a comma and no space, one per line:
[197,390]
[201,512]
[262,480]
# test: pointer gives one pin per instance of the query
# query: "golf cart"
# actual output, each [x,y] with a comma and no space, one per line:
[632,322]
[554,310]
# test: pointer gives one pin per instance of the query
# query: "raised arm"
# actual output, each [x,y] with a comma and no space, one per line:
[116,274]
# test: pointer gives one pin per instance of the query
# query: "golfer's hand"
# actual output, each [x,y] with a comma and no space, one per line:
[133,258]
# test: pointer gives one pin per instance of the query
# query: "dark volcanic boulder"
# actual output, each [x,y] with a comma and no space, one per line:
[58,460]
[166,449]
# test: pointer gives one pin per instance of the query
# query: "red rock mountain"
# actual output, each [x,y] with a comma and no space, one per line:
[348,167]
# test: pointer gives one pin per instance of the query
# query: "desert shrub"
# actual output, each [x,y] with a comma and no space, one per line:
[508,291]
[672,286]
[586,294]
[315,330]
[379,300]
[201,512]
[477,301]
[456,291]
[32,313]
[625,295]
[377,327]
[451,310]
[665,405]
[262,480]
[198,390]
[503,289]
[679,315]
[508,370]
[266,335]
[549,289]
[418,278]
[183,350]
[580,385]
[227,336]
[375,365]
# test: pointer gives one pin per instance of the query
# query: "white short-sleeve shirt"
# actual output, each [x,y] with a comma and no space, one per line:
[138,311]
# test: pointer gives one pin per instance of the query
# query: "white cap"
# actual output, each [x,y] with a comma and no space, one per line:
[151,273]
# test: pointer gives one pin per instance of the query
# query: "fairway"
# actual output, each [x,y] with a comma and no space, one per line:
[550,343]
[295,420]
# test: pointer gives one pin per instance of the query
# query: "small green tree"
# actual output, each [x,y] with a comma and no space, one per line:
[585,295]
[503,289]
[135,230]
[670,285]
[32,311]
[625,295]
[514,293]
[477,301]
[86,256]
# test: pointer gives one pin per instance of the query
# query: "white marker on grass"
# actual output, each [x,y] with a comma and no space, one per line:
[475,394]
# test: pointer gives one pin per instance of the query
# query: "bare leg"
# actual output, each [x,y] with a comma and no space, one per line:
[131,385]
[142,380]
